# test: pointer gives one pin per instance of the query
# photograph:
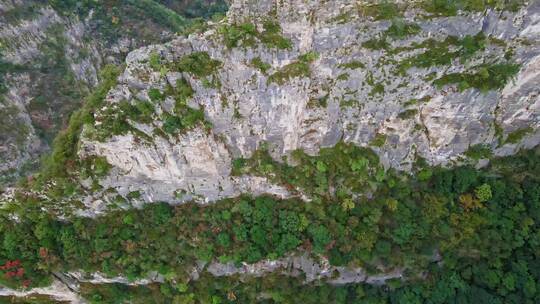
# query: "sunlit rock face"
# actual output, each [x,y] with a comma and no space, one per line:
[50,57]
[351,93]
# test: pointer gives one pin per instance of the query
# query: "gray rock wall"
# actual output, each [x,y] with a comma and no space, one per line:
[26,44]
[247,109]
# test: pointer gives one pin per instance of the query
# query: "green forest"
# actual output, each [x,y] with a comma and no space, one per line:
[461,235]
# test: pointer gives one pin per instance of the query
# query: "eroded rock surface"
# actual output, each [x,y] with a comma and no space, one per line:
[48,65]
[305,266]
[351,93]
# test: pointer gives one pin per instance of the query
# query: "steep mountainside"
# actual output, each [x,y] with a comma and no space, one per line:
[292,152]
[50,56]
[433,88]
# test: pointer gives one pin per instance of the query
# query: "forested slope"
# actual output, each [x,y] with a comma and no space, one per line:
[293,152]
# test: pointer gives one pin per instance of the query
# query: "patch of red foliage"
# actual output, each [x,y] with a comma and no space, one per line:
[15,271]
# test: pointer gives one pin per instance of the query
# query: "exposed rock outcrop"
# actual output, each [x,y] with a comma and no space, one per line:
[50,56]
[304,265]
[57,291]
[49,65]
[350,92]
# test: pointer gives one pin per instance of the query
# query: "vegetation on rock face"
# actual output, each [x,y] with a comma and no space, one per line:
[376,43]
[402,29]
[119,118]
[199,64]
[479,151]
[379,140]
[451,8]
[487,77]
[380,11]
[408,114]
[518,135]
[246,35]
[114,15]
[439,52]
[63,157]
[387,10]
[12,127]
[260,65]
[272,38]
[239,34]
[184,117]
[154,61]
[139,20]
[5,68]
[182,92]
[299,68]
[352,65]
[197,8]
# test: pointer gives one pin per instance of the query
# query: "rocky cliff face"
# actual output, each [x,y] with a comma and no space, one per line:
[50,57]
[344,74]
[38,53]
[289,75]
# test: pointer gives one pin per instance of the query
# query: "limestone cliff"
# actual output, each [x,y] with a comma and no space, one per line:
[50,56]
[296,75]
[329,83]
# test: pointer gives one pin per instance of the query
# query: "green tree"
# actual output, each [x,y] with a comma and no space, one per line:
[483,192]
